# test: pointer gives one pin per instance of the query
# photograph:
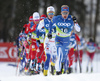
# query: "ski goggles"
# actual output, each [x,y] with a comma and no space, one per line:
[50,13]
[64,13]
[36,19]
[65,9]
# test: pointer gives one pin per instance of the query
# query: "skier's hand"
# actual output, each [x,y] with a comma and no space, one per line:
[49,35]
[74,19]
[38,41]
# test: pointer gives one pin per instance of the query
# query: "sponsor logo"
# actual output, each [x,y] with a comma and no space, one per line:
[64,24]
[42,30]
[8,52]
[69,18]
[12,52]
[47,25]
[3,53]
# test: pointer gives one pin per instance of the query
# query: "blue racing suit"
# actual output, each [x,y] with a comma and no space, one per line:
[64,28]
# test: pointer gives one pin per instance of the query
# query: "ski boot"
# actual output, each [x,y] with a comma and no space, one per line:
[69,70]
[91,69]
[42,67]
[87,69]
[58,73]
[62,68]
[75,69]
[52,70]
[45,72]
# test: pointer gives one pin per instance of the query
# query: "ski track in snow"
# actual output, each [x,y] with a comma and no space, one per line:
[8,73]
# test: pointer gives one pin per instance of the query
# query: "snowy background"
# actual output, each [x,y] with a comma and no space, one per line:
[8,73]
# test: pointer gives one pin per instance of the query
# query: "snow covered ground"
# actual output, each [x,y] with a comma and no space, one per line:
[8,73]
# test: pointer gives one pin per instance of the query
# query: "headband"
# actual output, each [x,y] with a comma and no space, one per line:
[64,9]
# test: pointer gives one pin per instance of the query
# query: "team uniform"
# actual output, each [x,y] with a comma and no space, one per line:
[71,51]
[91,49]
[49,45]
[62,39]
[33,46]
[22,52]
[40,50]
[27,55]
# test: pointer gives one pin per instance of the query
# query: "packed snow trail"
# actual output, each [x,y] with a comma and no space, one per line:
[8,73]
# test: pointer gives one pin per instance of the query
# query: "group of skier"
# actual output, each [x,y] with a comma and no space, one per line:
[51,42]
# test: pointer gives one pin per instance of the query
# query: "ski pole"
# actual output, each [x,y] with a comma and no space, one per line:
[17,65]
[79,57]
[44,48]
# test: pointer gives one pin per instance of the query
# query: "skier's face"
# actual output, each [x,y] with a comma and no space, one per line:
[36,21]
[64,14]
[50,14]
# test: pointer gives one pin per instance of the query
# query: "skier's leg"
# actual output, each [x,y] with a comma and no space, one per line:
[59,60]
[48,56]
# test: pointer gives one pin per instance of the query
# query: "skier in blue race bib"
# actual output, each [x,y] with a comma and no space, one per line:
[64,26]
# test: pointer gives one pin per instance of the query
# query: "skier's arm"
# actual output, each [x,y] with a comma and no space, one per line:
[41,24]
[51,23]
[50,27]
[76,25]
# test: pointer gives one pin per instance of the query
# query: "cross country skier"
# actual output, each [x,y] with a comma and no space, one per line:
[26,44]
[71,52]
[40,48]
[27,56]
[64,27]
[22,52]
[91,49]
[49,45]
[33,46]
[27,29]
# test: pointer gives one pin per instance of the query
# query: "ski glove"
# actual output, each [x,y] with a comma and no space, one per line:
[38,41]
[74,19]
[49,35]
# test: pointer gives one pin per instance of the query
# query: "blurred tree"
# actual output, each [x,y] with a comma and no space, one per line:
[96,19]
[91,25]
[24,9]
[5,18]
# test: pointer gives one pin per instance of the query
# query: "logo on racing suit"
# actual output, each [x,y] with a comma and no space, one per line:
[64,24]
[47,25]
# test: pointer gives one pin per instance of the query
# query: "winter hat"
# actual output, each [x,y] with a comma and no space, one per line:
[36,16]
[43,16]
[30,18]
[50,8]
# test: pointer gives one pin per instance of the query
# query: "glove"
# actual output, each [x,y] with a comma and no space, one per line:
[38,41]
[49,35]
[74,19]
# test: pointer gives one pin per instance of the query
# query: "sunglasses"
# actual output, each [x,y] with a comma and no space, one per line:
[64,13]
[50,13]
[37,20]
